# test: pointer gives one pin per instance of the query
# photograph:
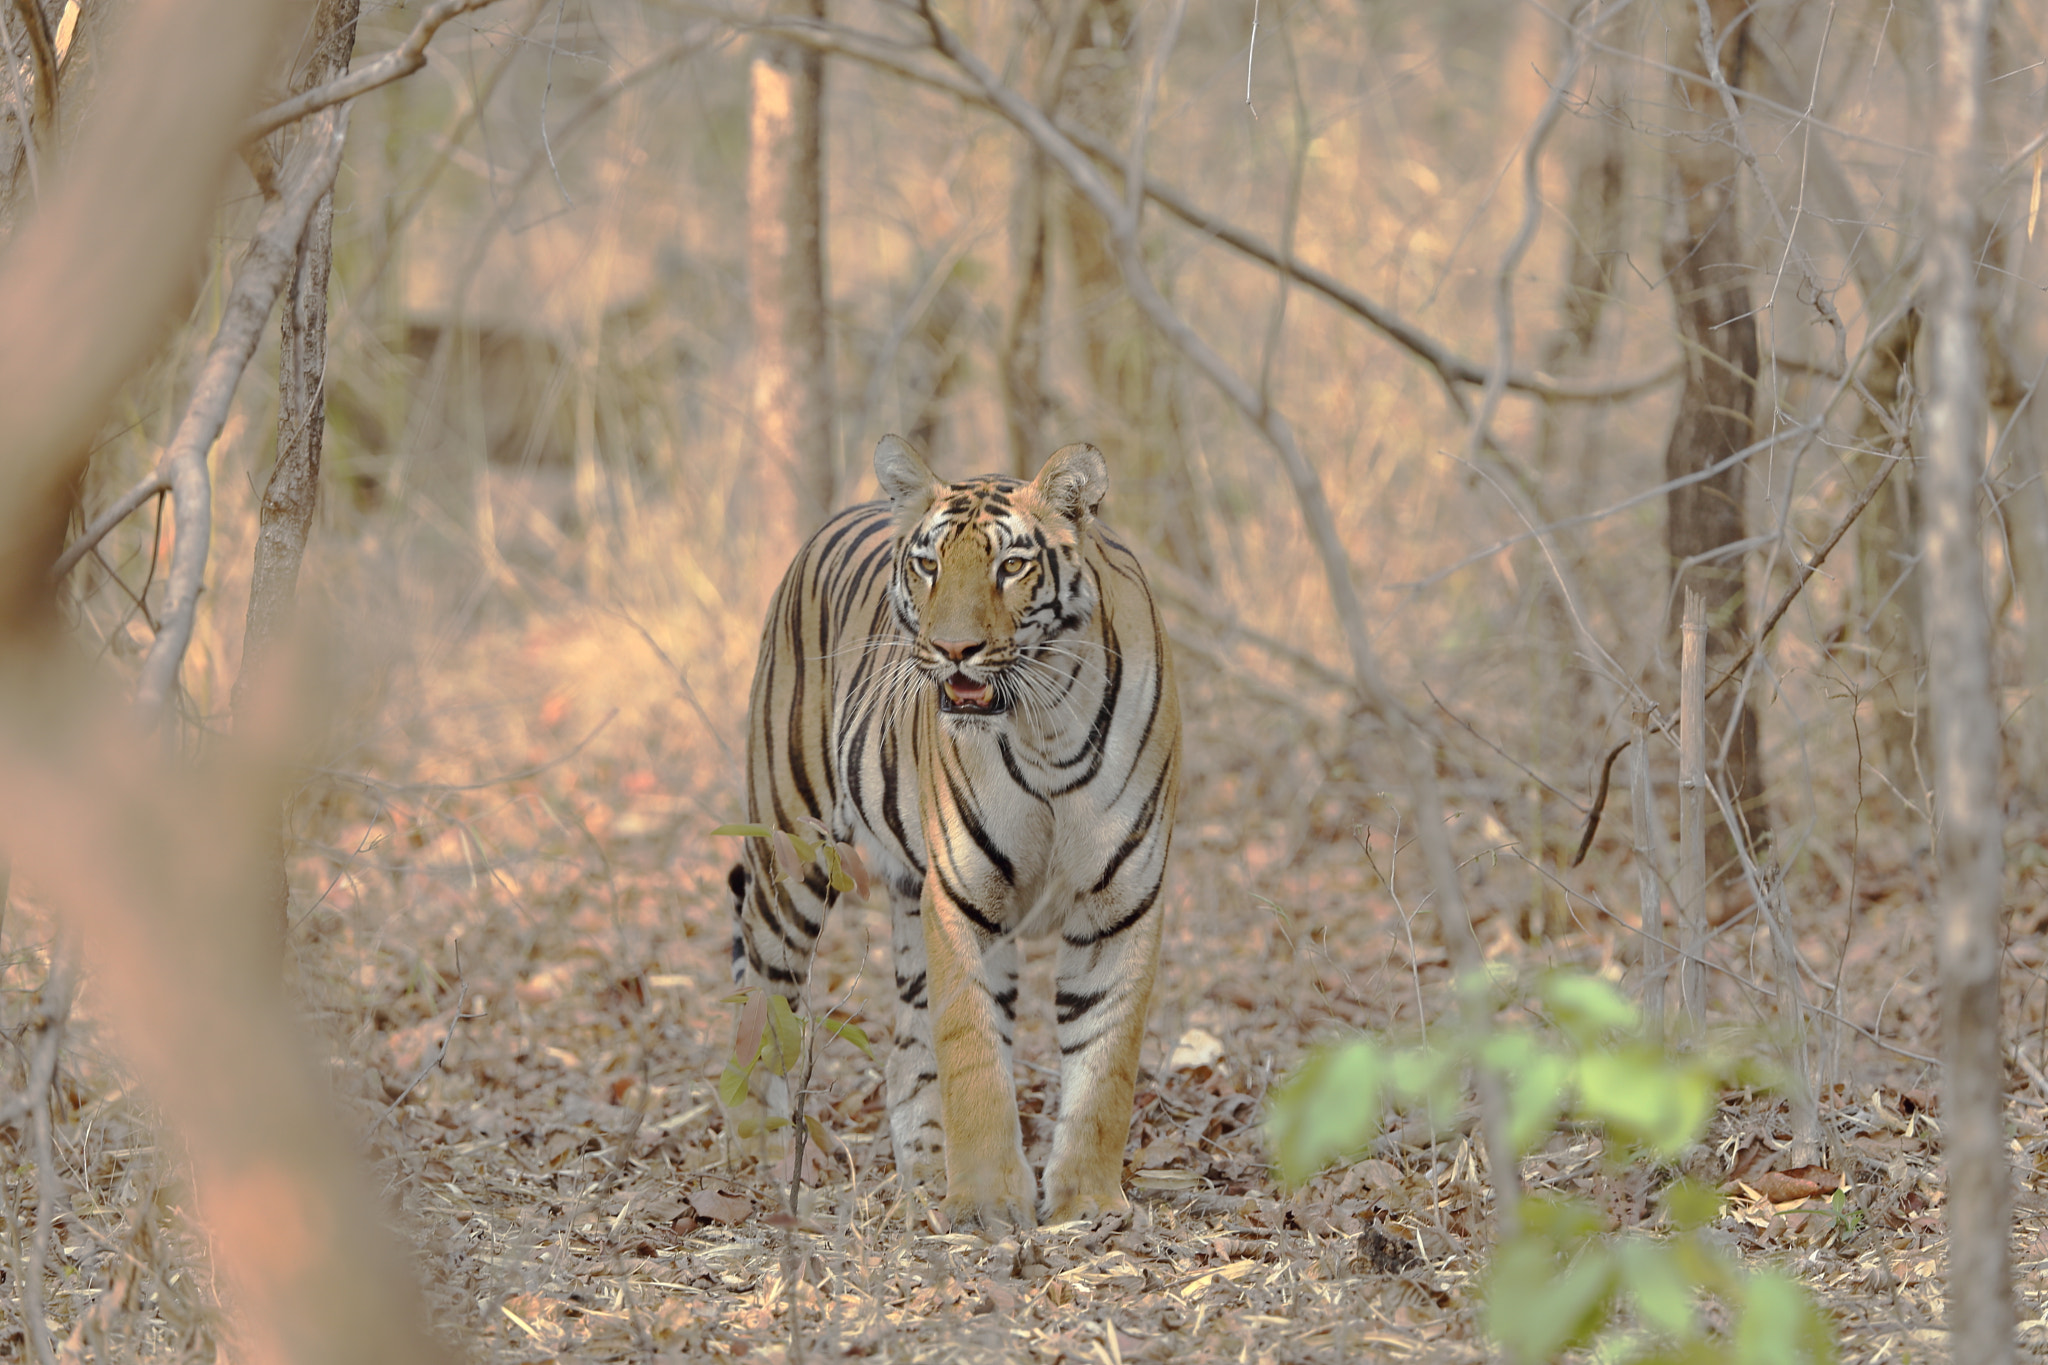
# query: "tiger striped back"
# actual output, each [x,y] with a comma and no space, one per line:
[970,683]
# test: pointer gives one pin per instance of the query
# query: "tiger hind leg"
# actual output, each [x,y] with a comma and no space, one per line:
[911,1074]
[776,923]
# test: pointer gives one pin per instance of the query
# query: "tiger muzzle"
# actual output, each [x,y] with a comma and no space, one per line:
[961,695]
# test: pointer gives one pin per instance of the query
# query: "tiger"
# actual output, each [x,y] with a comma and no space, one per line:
[971,684]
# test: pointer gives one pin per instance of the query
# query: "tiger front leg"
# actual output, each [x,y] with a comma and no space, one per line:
[1107,963]
[973,992]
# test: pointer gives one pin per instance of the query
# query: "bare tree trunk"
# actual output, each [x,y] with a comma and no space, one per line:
[1027,408]
[1132,375]
[1703,256]
[293,490]
[792,399]
[1885,570]
[1970,845]
[1025,405]
[1568,438]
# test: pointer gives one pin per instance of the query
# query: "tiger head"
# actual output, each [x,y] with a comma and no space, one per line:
[989,570]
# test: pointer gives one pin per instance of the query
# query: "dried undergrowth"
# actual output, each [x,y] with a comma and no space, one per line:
[512,943]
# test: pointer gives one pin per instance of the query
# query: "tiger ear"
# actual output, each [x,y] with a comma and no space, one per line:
[905,480]
[1073,482]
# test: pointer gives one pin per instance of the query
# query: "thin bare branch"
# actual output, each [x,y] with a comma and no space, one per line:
[1802,575]
[1511,259]
[112,515]
[272,255]
[400,62]
[1141,126]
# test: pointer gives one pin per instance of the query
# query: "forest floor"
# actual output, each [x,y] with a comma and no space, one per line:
[512,939]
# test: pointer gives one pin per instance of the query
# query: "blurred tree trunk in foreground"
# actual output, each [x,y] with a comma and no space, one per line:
[293,490]
[146,856]
[792,397]
[1704,260]
[30,114]
[1970,825]
[1132,372]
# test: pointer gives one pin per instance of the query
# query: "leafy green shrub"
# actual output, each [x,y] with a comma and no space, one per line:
[1562,1282]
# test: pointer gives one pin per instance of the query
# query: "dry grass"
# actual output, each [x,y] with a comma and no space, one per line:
[569,1191]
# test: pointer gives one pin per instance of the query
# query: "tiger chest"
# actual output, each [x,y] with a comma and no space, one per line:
[1011,822]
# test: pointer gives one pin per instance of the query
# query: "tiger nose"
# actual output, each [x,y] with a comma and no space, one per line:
[957,650]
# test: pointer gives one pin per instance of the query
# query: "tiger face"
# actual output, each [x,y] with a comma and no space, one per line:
[988,572]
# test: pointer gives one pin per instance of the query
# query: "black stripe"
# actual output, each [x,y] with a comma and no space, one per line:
[1017,773]
[908,991]
[1069,1006]
[1141,830]
[1098,733]
[1090,940]
[970,819]
[964,905]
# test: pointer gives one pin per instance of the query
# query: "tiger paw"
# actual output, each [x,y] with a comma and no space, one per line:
[994,1201]
[1070,1196]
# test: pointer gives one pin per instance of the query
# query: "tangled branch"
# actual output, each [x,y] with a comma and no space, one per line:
[273,253]
[400,62]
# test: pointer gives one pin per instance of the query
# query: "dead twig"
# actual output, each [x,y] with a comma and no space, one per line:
[113,514]
[400,62]
[1806,570]
[433,1063]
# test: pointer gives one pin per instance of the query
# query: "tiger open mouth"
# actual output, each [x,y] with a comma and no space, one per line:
[962,695]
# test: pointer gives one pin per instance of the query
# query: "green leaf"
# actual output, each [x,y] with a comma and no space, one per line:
[1537,1090]
[817,1131]
[732,1085]
[746,1043]
[744,831]
[1328,1109]
[1657,1282]
[1690,1204]
[1588,1008]
[1651,1098]
[1563,1222]
[1536,1310]
[1780,1325]
[782,1042]
[1430,1075]
[850,1031]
